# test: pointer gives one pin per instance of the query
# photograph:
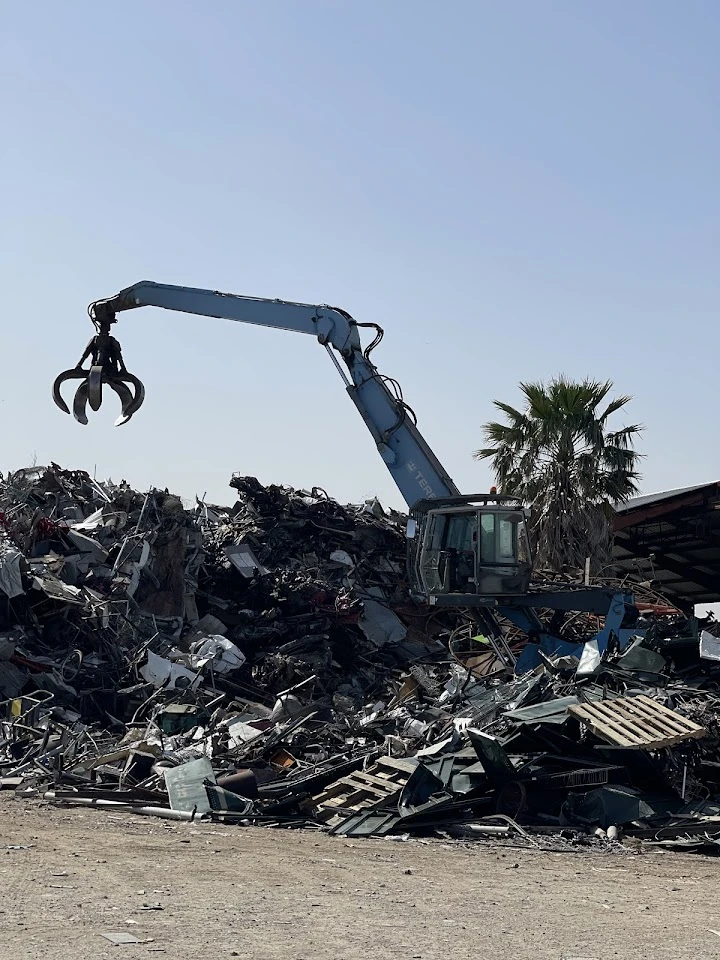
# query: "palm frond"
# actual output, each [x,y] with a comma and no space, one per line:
[559,455]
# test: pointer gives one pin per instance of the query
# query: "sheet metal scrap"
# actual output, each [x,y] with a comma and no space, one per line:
[269,656]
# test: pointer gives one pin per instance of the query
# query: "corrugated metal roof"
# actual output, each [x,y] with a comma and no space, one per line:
[659,497]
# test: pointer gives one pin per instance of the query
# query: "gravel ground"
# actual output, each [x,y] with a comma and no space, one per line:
[69,875]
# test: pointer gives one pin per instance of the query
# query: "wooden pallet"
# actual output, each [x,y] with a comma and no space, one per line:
[367,789]
[636,722]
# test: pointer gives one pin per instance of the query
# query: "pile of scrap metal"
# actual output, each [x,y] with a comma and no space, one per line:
[264,663]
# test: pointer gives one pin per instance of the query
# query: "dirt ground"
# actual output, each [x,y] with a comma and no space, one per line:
[69,875]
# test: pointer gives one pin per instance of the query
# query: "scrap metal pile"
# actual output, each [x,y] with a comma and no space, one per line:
[265,663]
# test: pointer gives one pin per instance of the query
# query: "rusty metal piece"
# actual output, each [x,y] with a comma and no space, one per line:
[243,782]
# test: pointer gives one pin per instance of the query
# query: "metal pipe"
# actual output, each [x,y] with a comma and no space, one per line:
[163,812]
[477,830]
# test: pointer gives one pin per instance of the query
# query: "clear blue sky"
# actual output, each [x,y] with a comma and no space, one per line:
[512,189]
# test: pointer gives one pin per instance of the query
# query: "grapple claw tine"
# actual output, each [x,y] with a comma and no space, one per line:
[80,402]
[126,399]
[95,381]
[139,394]
[74,373]
[57,396]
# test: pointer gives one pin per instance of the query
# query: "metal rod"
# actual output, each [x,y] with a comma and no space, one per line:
[162,812]
[339,369]
[142,512]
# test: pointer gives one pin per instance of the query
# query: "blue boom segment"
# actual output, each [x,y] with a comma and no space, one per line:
[416,470]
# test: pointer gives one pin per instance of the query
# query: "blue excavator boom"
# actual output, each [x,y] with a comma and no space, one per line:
[416,470]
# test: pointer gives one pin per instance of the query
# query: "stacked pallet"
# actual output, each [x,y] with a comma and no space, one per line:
[637,723]
[378,786]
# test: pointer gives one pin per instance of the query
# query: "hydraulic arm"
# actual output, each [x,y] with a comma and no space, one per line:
[413,465]
[462,550]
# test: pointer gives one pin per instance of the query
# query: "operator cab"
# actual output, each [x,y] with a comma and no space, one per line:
[465,551]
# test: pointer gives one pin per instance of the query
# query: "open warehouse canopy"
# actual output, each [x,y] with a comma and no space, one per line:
[673,538]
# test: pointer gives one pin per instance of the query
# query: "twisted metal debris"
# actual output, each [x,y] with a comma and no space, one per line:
[265,663]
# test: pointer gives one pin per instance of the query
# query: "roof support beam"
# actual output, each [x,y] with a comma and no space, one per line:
[688,573]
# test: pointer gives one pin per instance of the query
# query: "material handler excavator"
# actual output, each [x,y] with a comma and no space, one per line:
[465,549]
[468,551]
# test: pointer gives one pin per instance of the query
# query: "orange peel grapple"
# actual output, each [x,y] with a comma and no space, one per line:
[107,368]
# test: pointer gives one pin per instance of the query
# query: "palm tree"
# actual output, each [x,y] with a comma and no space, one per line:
[560,456]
